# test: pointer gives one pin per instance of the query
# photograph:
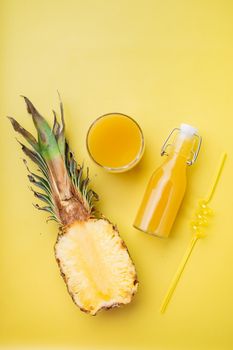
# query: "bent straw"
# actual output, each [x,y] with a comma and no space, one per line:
[198,234]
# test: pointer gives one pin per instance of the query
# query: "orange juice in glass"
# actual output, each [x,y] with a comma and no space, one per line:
[115,142]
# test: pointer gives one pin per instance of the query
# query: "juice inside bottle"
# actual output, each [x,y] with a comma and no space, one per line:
[115,141]
[167,186]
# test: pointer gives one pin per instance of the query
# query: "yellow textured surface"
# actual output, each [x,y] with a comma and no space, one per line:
[161,62]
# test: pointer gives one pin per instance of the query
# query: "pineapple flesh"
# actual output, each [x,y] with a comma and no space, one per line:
[92,257]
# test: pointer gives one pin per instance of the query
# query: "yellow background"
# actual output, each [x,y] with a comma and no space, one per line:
[161,62]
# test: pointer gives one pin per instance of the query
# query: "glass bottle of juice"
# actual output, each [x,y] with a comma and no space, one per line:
[167,185]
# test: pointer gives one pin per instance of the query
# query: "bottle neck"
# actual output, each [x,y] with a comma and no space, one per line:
[182,148]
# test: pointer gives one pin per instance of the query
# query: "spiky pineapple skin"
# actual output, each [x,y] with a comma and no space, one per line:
[101,250]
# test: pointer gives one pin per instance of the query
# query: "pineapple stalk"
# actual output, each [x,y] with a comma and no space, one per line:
[93,259]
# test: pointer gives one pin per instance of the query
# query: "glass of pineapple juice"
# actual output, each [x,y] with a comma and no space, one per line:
[115,142]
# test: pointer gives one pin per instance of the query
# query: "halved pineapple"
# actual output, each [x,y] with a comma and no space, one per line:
[95,264]
[92,257]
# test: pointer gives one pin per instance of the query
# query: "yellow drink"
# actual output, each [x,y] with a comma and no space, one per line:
[166,189]
[115,142]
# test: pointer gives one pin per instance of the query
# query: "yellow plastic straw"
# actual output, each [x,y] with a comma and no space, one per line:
[217,177]
[198,234]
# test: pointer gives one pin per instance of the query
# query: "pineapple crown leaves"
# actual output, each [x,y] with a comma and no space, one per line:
[56,163]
